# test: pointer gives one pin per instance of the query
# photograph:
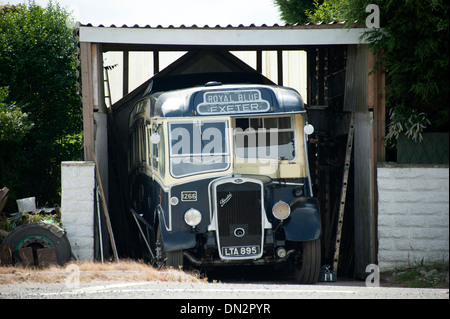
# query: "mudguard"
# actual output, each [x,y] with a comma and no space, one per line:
[177,239]
[304,223]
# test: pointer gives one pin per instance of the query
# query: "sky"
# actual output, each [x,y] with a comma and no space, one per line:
[169,12]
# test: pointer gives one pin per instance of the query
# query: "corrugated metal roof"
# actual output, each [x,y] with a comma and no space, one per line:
[322,25]
[335,33]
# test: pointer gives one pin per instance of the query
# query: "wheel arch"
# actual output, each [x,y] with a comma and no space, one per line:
[304,222]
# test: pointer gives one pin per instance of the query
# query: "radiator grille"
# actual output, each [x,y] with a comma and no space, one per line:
[239,207]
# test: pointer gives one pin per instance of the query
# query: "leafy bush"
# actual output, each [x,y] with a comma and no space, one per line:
[14,123]
[37,63]
[413,40]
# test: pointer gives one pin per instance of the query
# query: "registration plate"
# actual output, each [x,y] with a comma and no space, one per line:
[240,251]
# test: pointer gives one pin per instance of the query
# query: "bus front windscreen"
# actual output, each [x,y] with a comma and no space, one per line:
[265,138]
[198,146]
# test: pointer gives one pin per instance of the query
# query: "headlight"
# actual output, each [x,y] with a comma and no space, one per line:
[281,210]
[192,217]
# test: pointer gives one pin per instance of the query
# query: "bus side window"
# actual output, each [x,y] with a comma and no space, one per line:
[149,145]
[155,150]
[161,158]
[142,143]
[135,147]
[130,151]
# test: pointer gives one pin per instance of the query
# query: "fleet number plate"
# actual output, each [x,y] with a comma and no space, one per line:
[240,251]
[190,196]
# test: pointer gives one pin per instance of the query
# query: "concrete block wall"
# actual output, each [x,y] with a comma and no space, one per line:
[77,207]
[413,214]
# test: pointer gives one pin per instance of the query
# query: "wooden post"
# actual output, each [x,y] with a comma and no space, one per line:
[321,76]
[87,99]
[280,66]
[259,61]
[105,210]
[95,76]
[155,62]
[376,103]
[125,86]
[363,163]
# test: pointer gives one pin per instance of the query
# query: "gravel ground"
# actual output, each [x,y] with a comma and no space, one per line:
[140,281]
[137,280]
[204,290]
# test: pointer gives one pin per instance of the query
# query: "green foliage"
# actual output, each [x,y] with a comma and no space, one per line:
[37,63]
[14,124]
[413,41]
[327,11]
[10,223]
[421,275]
[407,121]
[294,11]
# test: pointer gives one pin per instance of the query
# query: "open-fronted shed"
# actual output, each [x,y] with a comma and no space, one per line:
[340,83]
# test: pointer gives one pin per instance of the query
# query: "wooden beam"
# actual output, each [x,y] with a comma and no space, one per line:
[87,99]
[259,61]
[280,66]
[363,167]
[376,104]
[311,76]
[187,37]
[155,62]
[95,77]
[125,86]
[100,75]
[321,76]
[105,210]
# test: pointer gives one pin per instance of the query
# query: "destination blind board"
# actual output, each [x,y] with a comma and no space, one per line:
[232,102]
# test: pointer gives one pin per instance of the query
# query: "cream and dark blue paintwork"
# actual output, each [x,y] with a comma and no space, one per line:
[232,192]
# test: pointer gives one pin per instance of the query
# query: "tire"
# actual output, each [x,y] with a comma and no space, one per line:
[174,259]
[171,259]
[307,264]
[41,235]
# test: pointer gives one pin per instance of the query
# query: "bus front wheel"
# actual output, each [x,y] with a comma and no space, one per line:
[307,263]
[170,259]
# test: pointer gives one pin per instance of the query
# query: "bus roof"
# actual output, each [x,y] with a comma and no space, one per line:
[215,99]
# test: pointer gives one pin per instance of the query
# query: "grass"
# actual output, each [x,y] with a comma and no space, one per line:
[421,275]
[124,271]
